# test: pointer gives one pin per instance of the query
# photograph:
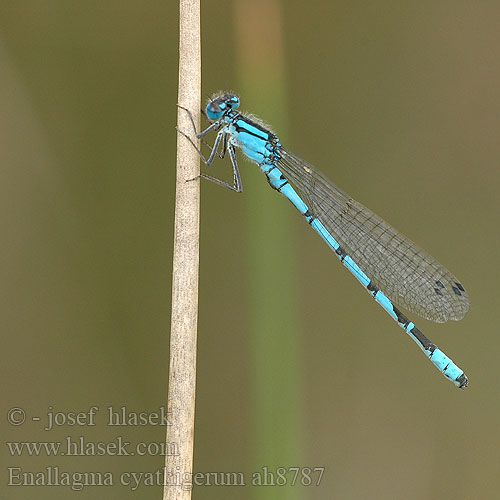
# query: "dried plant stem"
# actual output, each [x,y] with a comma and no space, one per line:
[182,375]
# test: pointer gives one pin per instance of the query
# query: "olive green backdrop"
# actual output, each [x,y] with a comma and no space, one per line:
[397,102]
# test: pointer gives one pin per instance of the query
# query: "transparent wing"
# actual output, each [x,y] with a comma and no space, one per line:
[408,275]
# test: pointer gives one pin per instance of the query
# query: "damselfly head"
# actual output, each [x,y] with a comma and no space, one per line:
[222,104]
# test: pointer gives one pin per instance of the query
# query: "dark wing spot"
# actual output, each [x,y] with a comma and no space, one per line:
[456,290]
[460,286]
[438,291]
[439,284]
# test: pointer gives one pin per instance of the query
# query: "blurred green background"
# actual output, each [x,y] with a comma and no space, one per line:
[397,102]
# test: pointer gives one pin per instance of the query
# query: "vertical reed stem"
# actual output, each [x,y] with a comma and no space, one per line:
[182,375]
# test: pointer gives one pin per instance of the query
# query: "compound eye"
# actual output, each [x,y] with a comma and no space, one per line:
[234,101]
[222,105]
[215,110]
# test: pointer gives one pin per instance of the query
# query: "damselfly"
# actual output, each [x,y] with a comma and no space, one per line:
[390,266]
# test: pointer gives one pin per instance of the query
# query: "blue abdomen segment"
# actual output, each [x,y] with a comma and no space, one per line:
[440,360]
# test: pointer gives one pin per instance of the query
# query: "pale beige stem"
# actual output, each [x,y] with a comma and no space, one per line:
[182,375]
